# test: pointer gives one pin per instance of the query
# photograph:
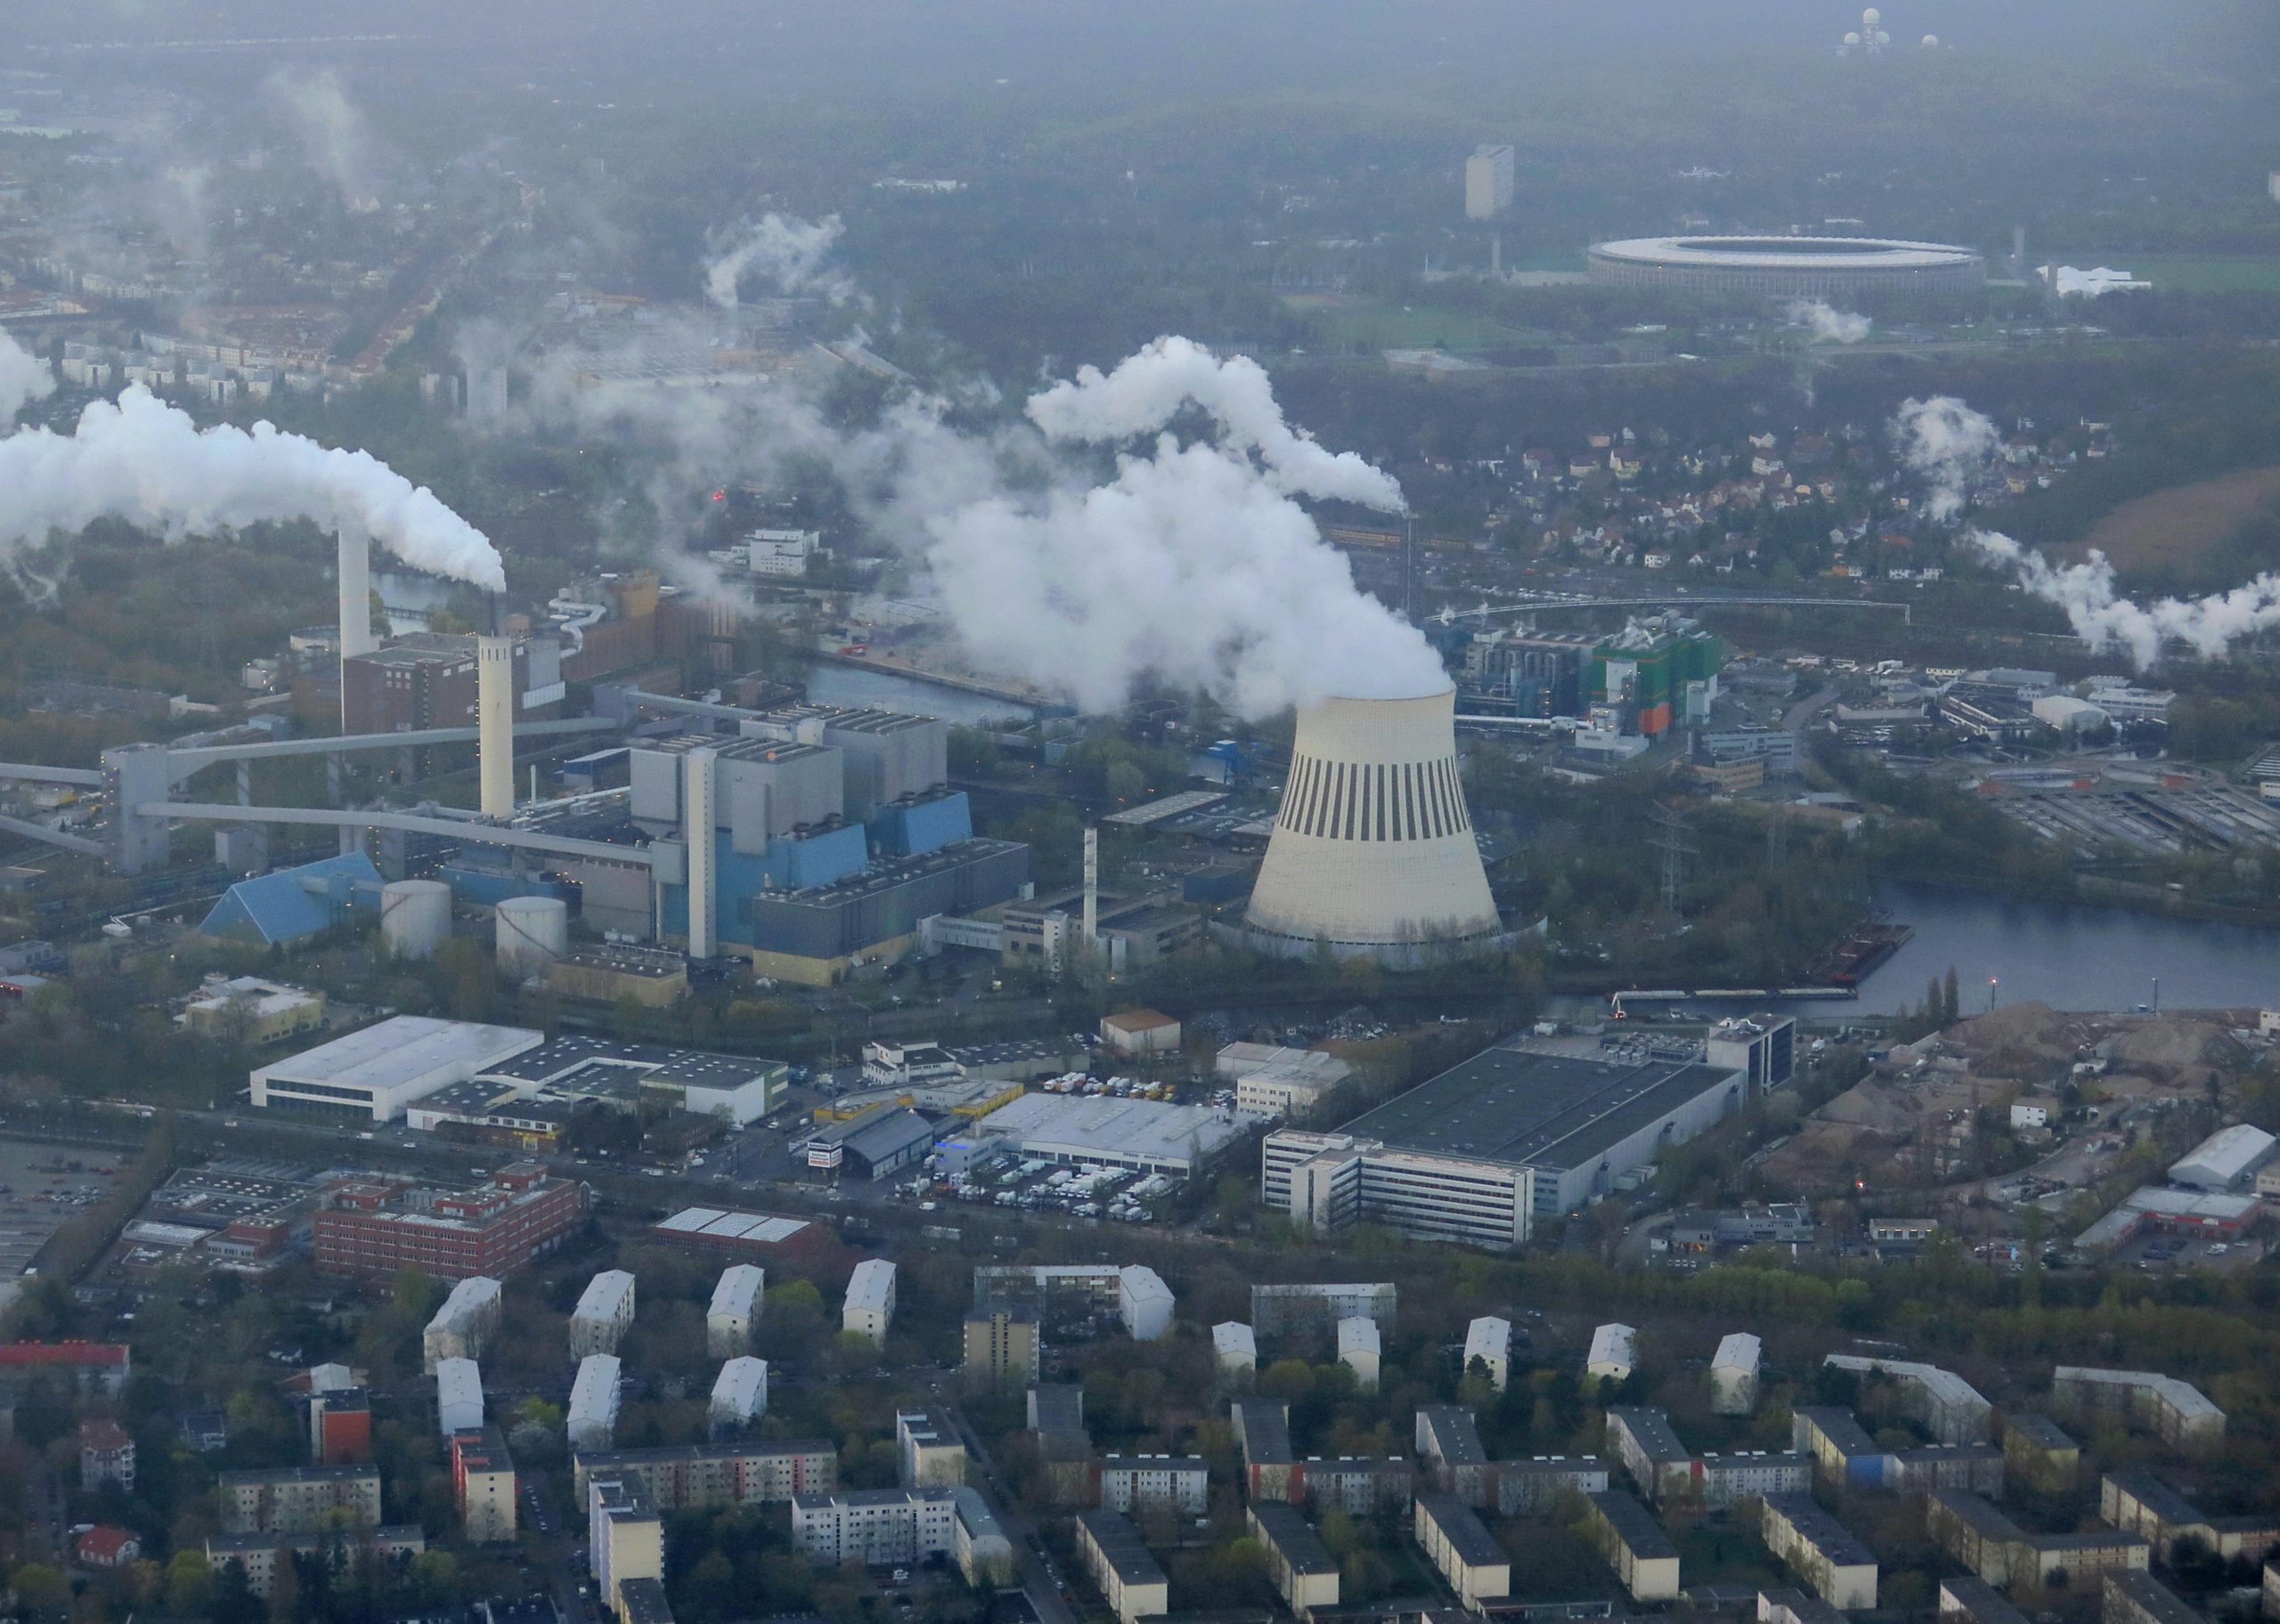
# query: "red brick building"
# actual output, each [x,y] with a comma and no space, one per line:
[103,1364]
[372,1225]
[340,1427]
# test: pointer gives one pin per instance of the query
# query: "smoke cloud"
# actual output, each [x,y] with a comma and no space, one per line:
[23,378]
[1946,441]
[1147,390]
[145,462]
[1828,324]
[2104,618]
[334,139]
[789,252]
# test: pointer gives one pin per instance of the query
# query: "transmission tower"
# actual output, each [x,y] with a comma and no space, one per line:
[1670,840]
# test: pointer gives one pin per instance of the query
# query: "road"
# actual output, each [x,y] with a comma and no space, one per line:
[1039,1581]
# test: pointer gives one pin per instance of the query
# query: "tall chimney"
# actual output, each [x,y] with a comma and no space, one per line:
[696,818]
[354,571]
[1092,887]
[494,721]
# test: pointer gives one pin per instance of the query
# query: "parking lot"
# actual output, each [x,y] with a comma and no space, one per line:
[41,1186]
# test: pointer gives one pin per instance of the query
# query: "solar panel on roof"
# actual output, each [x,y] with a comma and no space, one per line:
[693,1218]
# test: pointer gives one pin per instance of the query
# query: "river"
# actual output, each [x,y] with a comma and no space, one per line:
[2067,956]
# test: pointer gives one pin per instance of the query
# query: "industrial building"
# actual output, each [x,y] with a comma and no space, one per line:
[876,1145]
[686,1477]
[1129,1578]
[591,1420]
[1455,1542]
[376,1072]
[744,1235]
[1372,852]
[2226,1160]
[869,1307]
[1733,1374]
[1273,1081]
[738,1090]
[248,1010]
[739,1394]
[1105,1130]
[371,1225]
[604,1314]
[1481,1153]
[739,1298]
[288,904]
[1788,267]
[1820,1550]
[459,1396]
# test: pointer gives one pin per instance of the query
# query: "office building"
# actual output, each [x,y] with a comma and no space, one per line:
[484,1486]
[372,1225]
[870,1308]
[1455,1541]
[1128,1578]
[1763,1048]
[738,1298]
[1488,182]
[1483,1152]
[1002,1348]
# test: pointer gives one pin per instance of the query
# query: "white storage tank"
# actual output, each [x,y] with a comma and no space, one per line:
[415,917]
[534,931]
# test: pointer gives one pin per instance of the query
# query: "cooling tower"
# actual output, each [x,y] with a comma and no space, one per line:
[1372,851]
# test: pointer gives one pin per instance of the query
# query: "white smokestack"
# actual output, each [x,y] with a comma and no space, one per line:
[355,572]
[696,817]
[144,462]
[1092,887]
[1372,851]
[494,721]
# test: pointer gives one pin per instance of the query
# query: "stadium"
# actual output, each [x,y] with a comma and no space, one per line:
[1787,267]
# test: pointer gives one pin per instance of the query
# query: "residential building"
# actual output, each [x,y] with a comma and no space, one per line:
[1940,1401]
[1971,1600]
[738,1298]
[625,1540]
[978,1544]
[1820,1550]
[108,1547]
[1733,1374]
[1360,1485]
[1535,1485]
[1455,1542]
[1130,1580]
[1002,1349]
[1448,1442]
[1634,1546]
[1614,1353]
[459,1396]
[1977,1534]
[484,1485]
[340,1426]
[92,1367]
[258,1555]
[1489,1340]
[1359,1350]
[1278,1312]
[739,1394]
[2140,1503]
[1062,1293]
[686,1477]
[929,1452]
[1305,1574]
[106,1456]
[2179,1413]
[870,1308]
[463,1324]
[591,1420]
[877,1527]
[298,1499]
[1133,1483]
[2140,1598]
[1263,1436]
[2039,1451]
[604,1314]
[1234,1349]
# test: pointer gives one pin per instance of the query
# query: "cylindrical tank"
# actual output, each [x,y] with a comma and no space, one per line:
[415,917]
[534,931]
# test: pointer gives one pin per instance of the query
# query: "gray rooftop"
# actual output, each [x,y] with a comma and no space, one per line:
[1456,1435]
[1122,1547]
[1633,1524]
[1294,1537]
[1833,1540]
[1466,1534]
[1513,1106]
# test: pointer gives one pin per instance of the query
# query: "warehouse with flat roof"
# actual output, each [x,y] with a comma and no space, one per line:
[377,1072]
[1105,1130]
[1481,1153]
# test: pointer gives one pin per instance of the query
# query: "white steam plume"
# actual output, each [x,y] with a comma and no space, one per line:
[1147,390]
[23,379]
[789,252]
[1829,323]
[1946,441]
[2103,618]
[147,463]
[334,139]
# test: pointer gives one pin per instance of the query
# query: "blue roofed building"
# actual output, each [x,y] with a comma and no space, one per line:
[293,903]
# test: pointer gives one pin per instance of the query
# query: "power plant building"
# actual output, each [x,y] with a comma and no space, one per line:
[1372,852]
[1482,1153]
[1655,675]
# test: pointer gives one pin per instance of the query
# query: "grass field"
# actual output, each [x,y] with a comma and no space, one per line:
[1396,327]
[2174,527]
[2187,273]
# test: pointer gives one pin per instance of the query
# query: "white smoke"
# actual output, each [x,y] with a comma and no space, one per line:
[789,252]
[2103,618]
[143,461]
[1946,441]
[1829,323]
[1147,390]
[334,138]
[23,379]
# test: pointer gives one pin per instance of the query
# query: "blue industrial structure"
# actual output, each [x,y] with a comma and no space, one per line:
[294,903]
